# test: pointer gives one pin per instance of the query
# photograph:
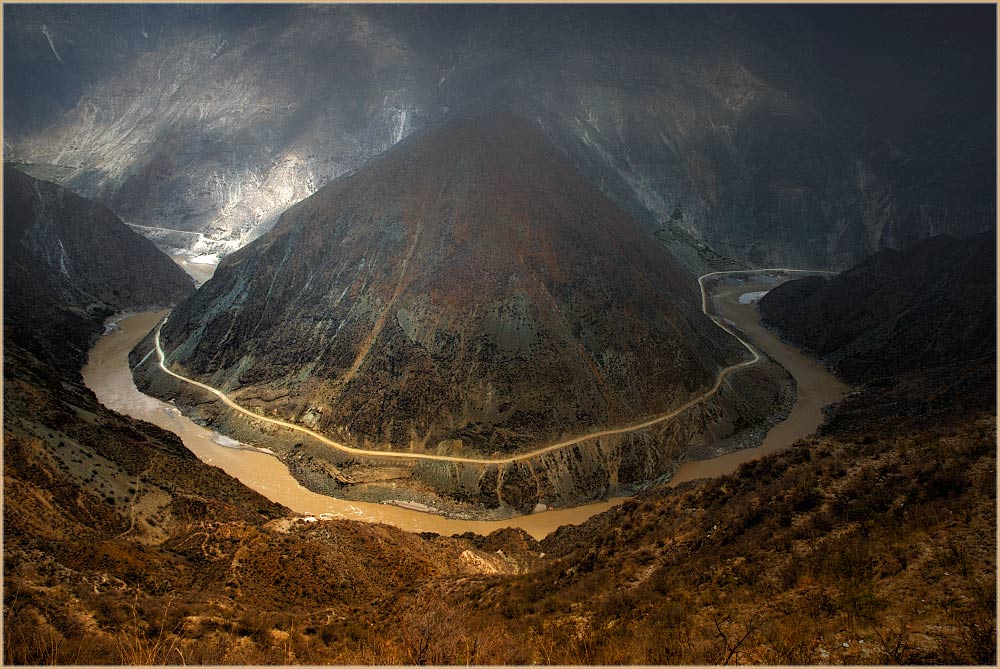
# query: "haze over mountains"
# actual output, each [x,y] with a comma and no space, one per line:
[756,134]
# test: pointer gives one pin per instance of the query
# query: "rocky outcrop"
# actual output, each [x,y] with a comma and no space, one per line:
[467,293]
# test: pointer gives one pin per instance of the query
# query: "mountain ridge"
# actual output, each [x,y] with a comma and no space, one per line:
[742,133]
[508,262]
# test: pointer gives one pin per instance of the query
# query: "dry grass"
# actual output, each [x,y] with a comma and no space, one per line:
[860,548]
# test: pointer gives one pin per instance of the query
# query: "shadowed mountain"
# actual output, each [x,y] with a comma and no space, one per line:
[467,289]
[930,304]
[916,329]
[69,263]
[737,134]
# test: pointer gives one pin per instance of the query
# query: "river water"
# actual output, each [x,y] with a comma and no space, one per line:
[108,375]
[817,387]
[200,271]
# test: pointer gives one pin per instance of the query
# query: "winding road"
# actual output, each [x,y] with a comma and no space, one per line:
[152,227]
[723,373]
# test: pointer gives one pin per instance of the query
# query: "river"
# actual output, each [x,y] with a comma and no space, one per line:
[108,375]
[817,387]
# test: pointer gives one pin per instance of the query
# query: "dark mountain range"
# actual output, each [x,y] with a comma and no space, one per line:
[69,263]
[915,329]
[466,290]
[755,133]
[930,304]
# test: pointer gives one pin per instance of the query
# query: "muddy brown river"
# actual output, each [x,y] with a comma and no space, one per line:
[108,375]
[817,387]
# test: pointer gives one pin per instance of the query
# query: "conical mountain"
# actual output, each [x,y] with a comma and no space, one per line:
[468,291]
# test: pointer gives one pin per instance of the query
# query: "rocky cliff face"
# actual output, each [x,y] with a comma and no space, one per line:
[931,304]
[466,291]
[748,133]
[70,262]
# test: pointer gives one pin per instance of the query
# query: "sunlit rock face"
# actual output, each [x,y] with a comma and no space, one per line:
[468,289]
[755,134]
[222,119]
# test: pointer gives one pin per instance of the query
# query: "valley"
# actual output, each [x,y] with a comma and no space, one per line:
[815,387]
[108,375]
[506,335]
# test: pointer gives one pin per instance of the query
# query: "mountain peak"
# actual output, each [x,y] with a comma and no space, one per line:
[468,286]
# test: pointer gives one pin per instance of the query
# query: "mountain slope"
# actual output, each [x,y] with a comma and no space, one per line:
[70,262]
[930,304]
[749,132]
[468,289]
[915,329]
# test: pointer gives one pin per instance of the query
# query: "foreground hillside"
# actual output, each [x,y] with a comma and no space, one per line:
[121,547]
[838,551]
[845,549]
